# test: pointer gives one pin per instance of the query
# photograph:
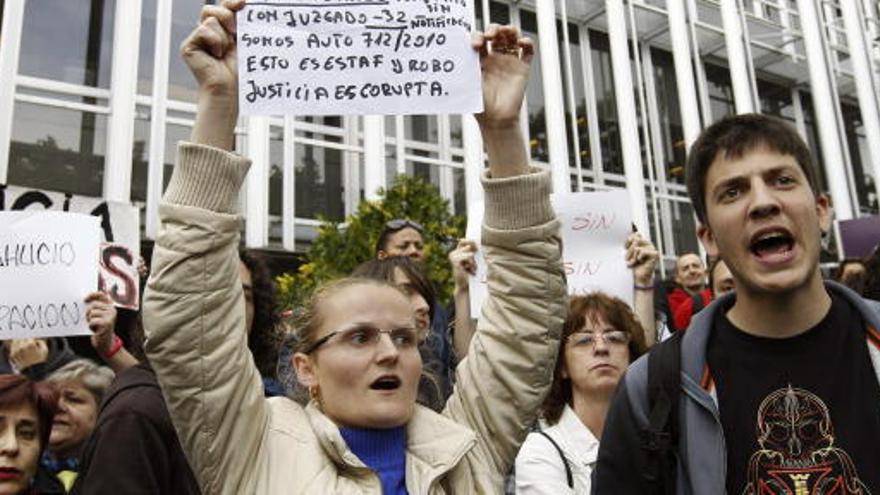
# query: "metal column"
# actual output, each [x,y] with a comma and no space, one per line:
[374,155]
[865,80]
[257,183]
[288,185]
[826,107]
[684,73]
[120,125]
[158,113]
[740,71]
[10,45]
[626,112]
[554,108]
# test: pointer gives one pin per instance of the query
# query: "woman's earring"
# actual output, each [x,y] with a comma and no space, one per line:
[315,394]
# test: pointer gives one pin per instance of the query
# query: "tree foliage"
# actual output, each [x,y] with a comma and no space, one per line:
[339,248]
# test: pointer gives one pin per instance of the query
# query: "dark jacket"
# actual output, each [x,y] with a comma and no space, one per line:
[45,483]
[134,448]
[702,464]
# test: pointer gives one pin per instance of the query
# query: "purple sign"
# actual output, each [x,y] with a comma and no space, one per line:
[859,236]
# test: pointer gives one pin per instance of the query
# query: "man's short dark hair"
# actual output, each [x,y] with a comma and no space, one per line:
[735,136]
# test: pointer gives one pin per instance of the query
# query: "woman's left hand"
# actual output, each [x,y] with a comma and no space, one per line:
[505,58]
[101,317]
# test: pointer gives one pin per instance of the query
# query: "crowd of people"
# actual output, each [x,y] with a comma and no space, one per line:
[747,372]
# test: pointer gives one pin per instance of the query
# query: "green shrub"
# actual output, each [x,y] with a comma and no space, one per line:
[339,248]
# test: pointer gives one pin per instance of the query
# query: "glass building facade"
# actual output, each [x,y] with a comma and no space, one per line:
[94,98]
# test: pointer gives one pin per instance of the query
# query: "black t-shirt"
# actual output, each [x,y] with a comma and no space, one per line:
[801,414]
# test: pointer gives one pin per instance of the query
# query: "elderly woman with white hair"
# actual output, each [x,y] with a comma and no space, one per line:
[81,385]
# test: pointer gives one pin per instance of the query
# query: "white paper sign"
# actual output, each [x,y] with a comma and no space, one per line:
[335,57]
[477,289]
[594,226]
[120,235]
[48,263]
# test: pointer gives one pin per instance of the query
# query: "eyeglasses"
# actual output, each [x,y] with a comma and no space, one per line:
[367,337]
[402,223]
[588,339]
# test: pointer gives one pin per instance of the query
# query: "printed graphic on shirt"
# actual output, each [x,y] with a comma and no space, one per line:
[797,455]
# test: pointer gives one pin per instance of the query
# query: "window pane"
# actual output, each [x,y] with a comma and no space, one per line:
[776,100]
[670,116]
[459,198]
[720,92]
[426,172]
[58,150]
[609,131]
[81,42]
[498,13]
[582,133]
[860,157]
[684,229]
[390,164]
[535,93]
[456,131]
[276,170]
[319,182]
[421,128]
[813,139]
[140,156]
[147,49]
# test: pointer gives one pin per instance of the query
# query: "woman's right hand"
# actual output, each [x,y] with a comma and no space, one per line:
[209,51]
[211,55]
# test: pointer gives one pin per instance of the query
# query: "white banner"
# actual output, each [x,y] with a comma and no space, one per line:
[334,57]
[594,226]
[48,264]
[120,235]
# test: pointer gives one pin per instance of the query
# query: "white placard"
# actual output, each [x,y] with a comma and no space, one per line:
[336,57]
[48,264]
[594,226]
[120,235]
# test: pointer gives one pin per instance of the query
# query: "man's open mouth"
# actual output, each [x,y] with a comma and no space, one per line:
[770,244]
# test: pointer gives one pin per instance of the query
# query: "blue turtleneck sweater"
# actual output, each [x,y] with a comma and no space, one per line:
[383,451]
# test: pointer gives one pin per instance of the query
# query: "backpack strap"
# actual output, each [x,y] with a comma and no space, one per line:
[660,438]
[568,476]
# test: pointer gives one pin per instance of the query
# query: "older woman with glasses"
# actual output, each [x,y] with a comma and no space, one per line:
[363,431]
[601,336]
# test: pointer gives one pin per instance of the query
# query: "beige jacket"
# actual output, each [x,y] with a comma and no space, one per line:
[240,443]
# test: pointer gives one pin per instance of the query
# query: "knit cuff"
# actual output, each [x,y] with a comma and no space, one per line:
[517,202]
[206,177]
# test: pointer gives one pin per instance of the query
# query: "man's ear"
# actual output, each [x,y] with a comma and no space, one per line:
[825,212]
[305,369]
[707,239]
[381,254]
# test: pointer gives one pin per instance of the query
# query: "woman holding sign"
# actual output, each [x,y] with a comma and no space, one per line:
[362,431]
